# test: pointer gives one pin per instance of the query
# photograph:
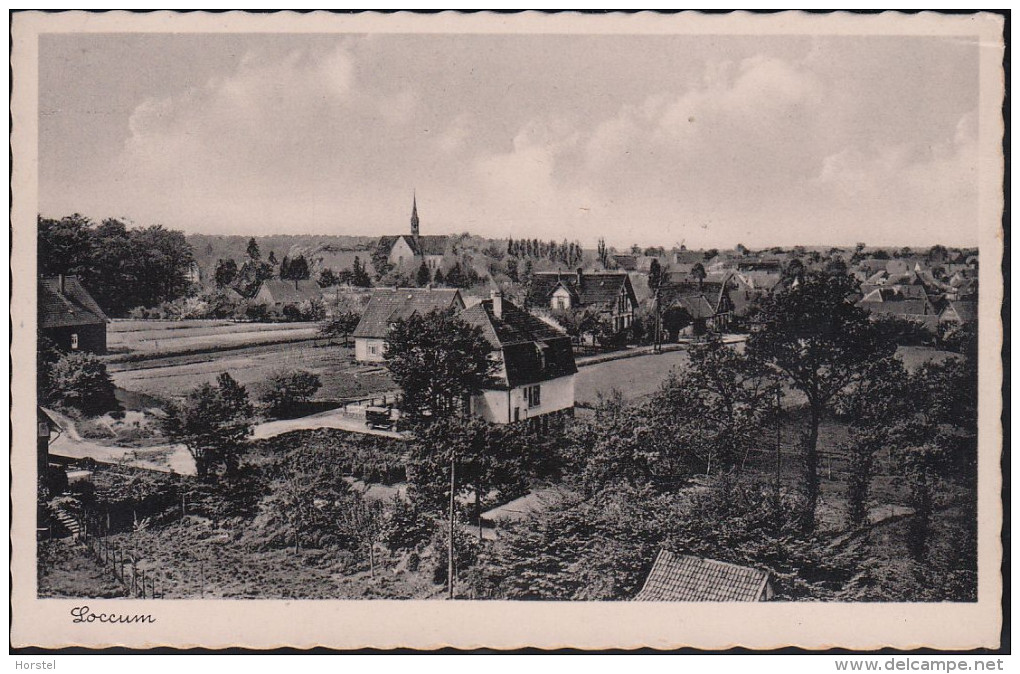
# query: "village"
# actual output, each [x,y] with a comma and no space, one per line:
[434,415]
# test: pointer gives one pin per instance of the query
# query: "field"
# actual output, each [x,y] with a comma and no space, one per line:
[165,358]
[133,340]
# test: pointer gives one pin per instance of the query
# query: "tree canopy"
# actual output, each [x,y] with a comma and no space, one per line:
[815,335]
[213,422]
[438,361]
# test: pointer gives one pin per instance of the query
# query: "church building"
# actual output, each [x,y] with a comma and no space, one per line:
[408,251]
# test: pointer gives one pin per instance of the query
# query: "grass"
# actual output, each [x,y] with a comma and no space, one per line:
[169,339]
[341,378]
[66,570]
[197,559]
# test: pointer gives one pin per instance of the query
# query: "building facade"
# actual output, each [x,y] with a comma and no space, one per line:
[388,305]
[534,372]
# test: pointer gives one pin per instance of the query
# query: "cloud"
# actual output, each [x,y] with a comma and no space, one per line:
[793,144]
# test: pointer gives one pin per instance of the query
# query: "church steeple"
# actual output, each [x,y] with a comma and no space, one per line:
[414,217]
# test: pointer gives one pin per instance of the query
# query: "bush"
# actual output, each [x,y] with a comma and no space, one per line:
[80,382]
[406,527]
[283,392]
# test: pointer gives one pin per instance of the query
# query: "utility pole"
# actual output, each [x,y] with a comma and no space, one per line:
[449,568]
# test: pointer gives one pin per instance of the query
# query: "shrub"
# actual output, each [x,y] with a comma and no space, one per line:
[406,527]
[80,382]
[283,392]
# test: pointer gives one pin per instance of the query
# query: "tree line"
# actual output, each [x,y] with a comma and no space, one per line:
[122,267]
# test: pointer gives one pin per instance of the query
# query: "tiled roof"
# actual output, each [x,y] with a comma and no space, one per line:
[703,300]
[73,306]
[530,349]
[387,305]
[286,291]
[592,289]
[686,578]
[966,310]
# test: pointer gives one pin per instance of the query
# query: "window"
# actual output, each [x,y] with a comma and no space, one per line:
[74,340]
[533,394]
[517,414]
[373,349]
[561,303]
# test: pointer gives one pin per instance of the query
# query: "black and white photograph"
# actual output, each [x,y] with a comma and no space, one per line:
[483,315]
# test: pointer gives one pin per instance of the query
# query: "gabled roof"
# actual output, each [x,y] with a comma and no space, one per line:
[433,244]
[965,310]
[531,350]
[387,305]
[286,291]
[703,300]
[686,578]
[591,289]
[74,306]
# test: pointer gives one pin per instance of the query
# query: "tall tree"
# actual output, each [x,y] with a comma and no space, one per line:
[422,277]
[225,273]
[213,422]
[654,274]
[359,277]
[438,361]
[823,343]
[877,409]
[252,250]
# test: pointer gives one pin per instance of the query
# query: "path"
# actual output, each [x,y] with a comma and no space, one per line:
[176,458]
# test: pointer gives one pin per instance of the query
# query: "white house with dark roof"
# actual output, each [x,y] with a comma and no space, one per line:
[534,376]
[388,305]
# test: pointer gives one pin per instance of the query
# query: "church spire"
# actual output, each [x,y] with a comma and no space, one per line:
[414,217]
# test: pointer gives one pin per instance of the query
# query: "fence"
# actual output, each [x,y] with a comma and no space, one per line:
[126,567]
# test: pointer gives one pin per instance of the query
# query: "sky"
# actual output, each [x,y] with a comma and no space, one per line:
[707,141]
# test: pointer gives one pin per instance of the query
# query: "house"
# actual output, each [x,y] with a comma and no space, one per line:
[534,376]
[410,250]
[959,312]
[708,304]
[608,293]
[278,293]
[69,317]
[388,305]
[686,578]
[908,302]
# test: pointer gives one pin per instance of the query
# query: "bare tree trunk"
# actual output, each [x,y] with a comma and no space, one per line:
[811,486]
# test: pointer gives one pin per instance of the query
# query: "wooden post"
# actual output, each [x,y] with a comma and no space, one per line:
[141,584]
[134,577]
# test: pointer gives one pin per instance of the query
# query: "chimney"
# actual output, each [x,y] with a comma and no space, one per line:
[497,303]
[60,281]
[580,275]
